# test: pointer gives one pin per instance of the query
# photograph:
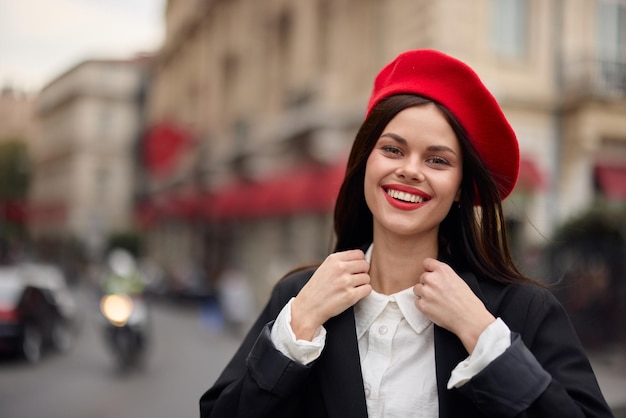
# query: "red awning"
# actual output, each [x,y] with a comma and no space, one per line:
[15,211]
[530,177]
[233,202]
[163,145]
[612,181]
[47,212]
[185,206]
[305,189]
[308,189]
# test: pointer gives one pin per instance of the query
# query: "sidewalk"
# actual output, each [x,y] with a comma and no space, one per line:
[610,368]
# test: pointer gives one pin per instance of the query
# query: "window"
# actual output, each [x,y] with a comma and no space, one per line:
[284,35]
[104,123]
[611,29]
[611,46]
[323,35]
[230,78]
[509,28]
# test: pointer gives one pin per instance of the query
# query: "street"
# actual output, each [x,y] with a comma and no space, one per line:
[187,354]
[185,359]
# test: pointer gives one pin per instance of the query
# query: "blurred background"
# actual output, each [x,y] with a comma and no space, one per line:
[209,138]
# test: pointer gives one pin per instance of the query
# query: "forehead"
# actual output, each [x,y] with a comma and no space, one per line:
[423,123]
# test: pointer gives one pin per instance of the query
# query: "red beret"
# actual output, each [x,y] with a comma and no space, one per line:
[456,86]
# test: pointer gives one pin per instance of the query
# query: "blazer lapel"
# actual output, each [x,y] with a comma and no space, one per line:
[339,369]
[449,352]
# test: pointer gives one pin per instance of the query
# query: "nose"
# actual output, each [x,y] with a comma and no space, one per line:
[411,171]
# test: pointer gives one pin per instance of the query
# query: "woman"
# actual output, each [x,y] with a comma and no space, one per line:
[420,311]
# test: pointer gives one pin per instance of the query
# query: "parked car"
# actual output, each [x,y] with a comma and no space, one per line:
[37,311]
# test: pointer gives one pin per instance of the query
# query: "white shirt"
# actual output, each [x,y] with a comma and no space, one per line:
[397,352]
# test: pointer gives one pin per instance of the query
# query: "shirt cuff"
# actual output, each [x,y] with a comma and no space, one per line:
[283,337]
[494,341]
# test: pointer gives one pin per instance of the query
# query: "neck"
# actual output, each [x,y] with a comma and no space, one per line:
[397,264]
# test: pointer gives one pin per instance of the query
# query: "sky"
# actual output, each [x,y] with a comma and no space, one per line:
[41,39]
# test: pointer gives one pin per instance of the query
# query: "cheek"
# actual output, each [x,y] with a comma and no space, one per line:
[449,187]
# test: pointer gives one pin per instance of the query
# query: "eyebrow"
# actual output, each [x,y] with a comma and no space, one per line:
[398,138]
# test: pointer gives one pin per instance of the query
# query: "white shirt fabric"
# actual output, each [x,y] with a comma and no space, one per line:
[397,352]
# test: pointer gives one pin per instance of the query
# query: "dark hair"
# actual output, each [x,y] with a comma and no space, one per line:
[471,237]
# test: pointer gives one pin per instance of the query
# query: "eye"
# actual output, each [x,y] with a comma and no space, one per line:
[390,149]
[437,160]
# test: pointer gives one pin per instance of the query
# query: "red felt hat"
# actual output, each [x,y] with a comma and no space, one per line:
[456,86]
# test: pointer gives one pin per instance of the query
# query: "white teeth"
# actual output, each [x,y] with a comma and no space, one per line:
[406,197]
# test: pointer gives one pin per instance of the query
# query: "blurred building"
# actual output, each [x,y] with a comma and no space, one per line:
[254,99]
[18,128]
[83,160]
[18,116]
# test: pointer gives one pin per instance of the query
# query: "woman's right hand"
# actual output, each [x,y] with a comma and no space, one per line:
[339,282]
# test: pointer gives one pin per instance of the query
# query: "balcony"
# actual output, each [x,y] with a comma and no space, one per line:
[594,78]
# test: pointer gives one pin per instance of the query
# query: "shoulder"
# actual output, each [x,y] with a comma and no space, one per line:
[524,307]
[533,296]
[509,296]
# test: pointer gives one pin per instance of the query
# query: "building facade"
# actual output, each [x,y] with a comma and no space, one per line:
[18,128]
[265,90]
[18,116]
[83,160]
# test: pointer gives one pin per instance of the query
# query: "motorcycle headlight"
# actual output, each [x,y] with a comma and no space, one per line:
[116,308]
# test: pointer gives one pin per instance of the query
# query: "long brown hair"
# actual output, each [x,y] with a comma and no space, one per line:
[471,236]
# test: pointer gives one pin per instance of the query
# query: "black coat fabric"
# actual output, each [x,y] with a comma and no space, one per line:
[544,373]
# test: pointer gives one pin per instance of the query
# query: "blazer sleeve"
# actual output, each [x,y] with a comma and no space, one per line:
[545,372]
[259,377]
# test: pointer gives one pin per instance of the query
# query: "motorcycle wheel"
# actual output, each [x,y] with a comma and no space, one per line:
[126,350]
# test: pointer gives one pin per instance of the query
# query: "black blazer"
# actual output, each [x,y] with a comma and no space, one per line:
[544,373]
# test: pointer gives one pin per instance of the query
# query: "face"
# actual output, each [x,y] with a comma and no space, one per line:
[413,174]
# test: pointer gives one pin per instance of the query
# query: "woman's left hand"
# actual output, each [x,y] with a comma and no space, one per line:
[448,301]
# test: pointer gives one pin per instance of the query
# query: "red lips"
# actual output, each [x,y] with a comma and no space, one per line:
[400,192]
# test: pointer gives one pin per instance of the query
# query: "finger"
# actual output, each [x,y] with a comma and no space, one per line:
[350,281]
[426,277]
[357,266]
[417,290]
[430,264]
[360,279]
[351,255]
[362,291]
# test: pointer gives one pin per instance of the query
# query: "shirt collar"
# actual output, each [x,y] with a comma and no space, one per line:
[370,307]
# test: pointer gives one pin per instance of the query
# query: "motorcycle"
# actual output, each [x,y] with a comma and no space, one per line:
[126,328]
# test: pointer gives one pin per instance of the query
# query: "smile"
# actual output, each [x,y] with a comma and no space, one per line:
[404,196]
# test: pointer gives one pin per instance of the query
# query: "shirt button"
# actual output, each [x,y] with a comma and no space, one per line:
[382,330]
[367,392]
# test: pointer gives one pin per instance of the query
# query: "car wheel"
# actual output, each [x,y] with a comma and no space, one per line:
[32,344]
[62,336]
